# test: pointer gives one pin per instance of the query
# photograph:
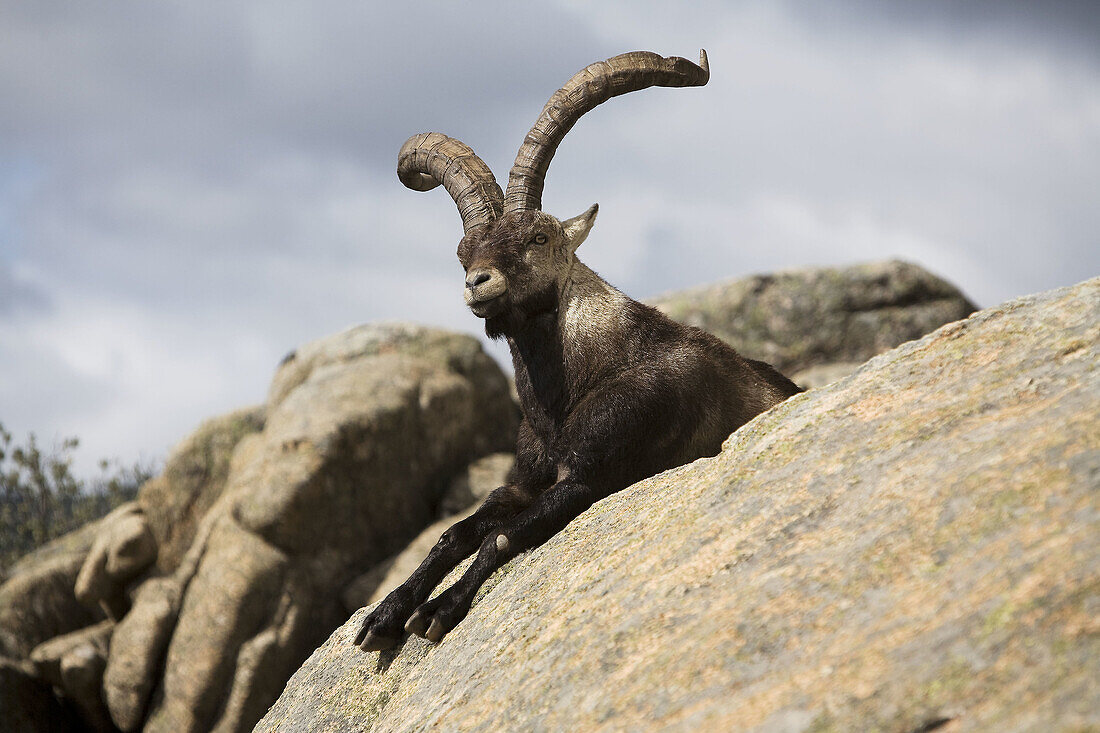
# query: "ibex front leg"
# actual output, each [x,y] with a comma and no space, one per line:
[546,516]
[384,627]
[533,473]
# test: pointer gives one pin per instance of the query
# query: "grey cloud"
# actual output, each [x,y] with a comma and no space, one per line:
[1058,26]
[19,297]
[242,79]
[39,393]
[204,189]
[181,146]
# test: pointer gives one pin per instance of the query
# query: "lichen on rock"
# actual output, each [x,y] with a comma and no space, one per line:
[913,544]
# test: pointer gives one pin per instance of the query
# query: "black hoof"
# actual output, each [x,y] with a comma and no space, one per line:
[435,632]
[418,623]
[369,641]
[428,623]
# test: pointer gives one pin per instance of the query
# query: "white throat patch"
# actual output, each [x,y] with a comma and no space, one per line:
[590,308]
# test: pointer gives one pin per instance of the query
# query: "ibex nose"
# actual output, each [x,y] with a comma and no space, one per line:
[476,277]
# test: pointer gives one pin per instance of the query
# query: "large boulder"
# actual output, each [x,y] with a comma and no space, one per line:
[38,601]
[123,549]
[70,582]
[471,486]
[194,476]
[74,663]
[913,546]
[800,319]
[360,436]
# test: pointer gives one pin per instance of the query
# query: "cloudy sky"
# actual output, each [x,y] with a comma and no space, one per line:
[189,190]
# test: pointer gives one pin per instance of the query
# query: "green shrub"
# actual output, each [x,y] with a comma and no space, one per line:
[40,499]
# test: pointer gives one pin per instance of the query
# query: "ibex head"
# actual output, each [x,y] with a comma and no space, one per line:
[517,257]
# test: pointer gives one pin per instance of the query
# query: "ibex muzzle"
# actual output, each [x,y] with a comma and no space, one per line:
[484,288]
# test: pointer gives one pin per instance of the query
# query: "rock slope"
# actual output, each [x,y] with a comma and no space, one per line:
[913,546]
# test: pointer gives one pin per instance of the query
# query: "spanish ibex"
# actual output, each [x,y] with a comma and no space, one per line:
[612,391]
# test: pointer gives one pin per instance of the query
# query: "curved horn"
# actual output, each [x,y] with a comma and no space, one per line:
[592,85]
[431,158]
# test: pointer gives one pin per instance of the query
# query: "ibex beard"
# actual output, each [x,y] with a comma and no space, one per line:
[612,391]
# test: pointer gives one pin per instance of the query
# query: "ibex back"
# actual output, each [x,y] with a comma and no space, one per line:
[612,391]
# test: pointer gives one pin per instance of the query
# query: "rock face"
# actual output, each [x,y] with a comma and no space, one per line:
[228,569]
[38,601]
[470,487]
[123,549]
[361,435]
[60,587]
[194,477]
[912,546]
[806,318]
[74,663]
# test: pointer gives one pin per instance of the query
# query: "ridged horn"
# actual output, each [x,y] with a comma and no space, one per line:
[592,85]
[431,158]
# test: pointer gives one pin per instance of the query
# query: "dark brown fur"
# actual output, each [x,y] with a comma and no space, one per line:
[612,392]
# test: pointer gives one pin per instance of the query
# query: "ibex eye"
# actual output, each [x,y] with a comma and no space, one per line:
[539,239]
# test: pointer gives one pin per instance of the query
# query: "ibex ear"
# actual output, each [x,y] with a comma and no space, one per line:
[577,228]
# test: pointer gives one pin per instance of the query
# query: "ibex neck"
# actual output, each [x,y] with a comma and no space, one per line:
[560,355]
[590,310]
